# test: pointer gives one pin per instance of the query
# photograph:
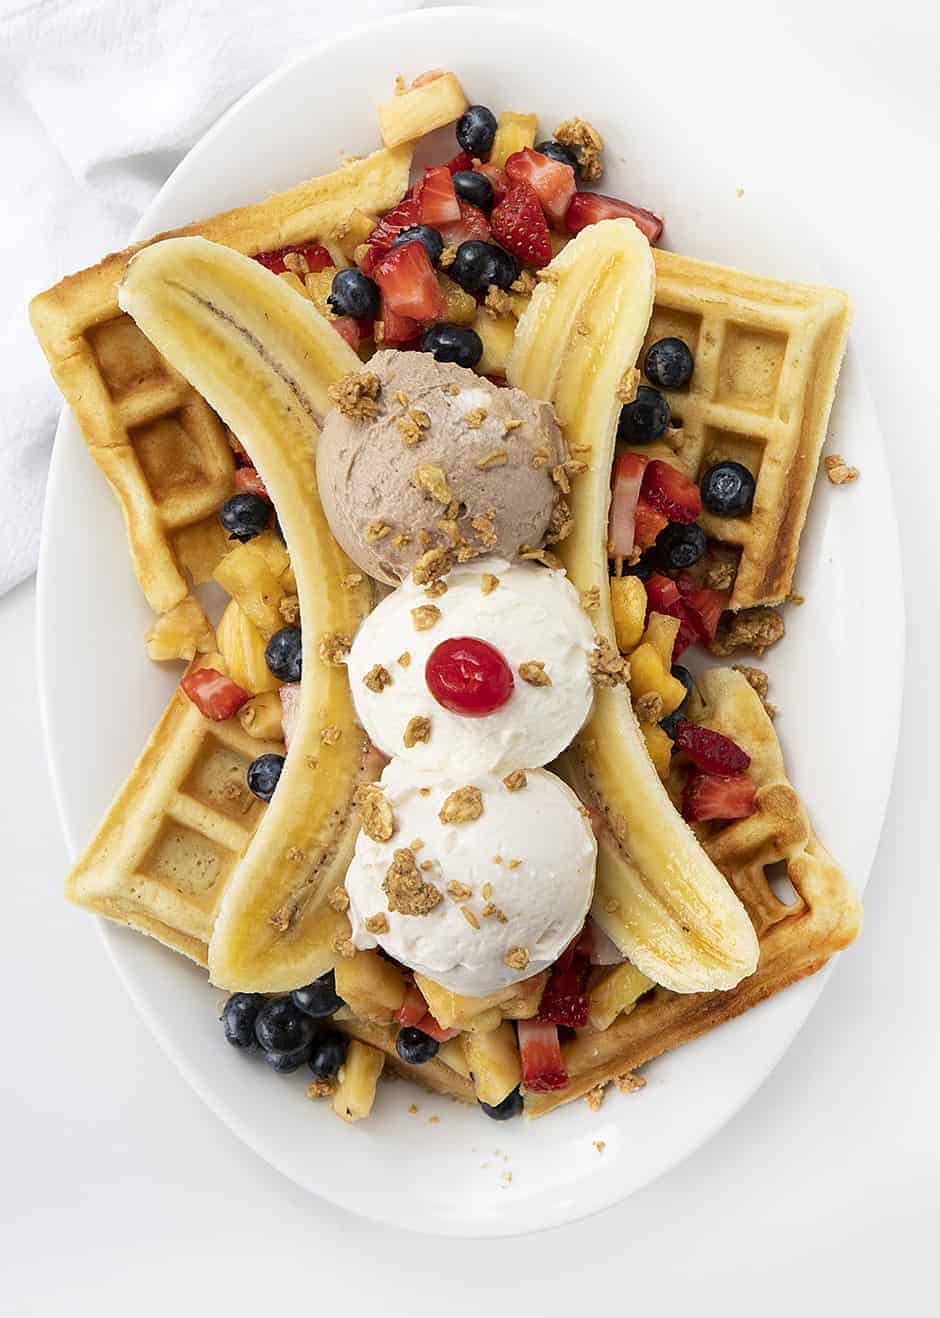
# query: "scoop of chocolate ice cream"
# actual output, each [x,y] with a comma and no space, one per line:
[421,454]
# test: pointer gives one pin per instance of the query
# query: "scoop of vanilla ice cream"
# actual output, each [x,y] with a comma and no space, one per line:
[494,448]
[531,614]
[479,886]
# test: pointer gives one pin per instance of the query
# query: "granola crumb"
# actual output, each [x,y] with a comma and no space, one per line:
[497,457]
[512,423]
[489,583]
[487,891]
[401,397]
[462,806]
[475,418]
[377,924]
[416,844]
[484,525]
[355,395]
[497,302]
[409,431]
[497,859]
[447,257]
[721,574]
[377,679]
[412,1108]
[431,480]
[339,899]
[426,865]
[436,589]
[433,1121]
[407,892]
[525,284]
[629,383]
[425,616]
[649,707]
[424,791]
[514,864]
[351,580]
[595,1097]
[331,734]
[432,565]
[560,478]
[589,146]
[289,609]
[591,599]
[540,458]
[344,946]
[400,85]
[838,470]
[756,677]
[547,276]
[751,629]
[606,665]
[630,1082]
[560,524]
[469,916]
[532,554]
[311,761]
[517,958]
[600,1145]
[794,598]
[515,781]
[320,1089]
[404,659]
[375,812]
[459,891]
[377,530]
[533,672]
[416,729]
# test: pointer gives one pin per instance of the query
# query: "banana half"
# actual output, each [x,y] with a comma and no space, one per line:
[658,896]
[264,359]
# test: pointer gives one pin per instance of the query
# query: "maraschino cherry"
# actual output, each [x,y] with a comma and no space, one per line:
[468,676]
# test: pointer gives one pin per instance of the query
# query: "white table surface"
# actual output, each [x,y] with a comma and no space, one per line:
[120,1192]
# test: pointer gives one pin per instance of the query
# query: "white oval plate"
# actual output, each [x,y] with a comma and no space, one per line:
[101,696]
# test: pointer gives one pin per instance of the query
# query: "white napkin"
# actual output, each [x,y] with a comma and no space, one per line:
[99,100]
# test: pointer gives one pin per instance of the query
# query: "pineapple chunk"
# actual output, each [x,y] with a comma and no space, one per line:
[455,1012]
[615,991]
[659,745]
[649,673]
[261,717]
[628,600]
[661,632]
[513,132]
[460,307]
[245,574]
[319,286]
[180,633]
[358,1078]
[274,551]
[242,647]
[355,231]
[453,1054]
[372,987]
[497,335]
[493,1059]
[421,110]
[527,995]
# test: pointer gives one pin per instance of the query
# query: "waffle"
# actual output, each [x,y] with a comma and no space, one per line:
[435,1075]
[168,845]
[161,448]
[767,358]
[795,939]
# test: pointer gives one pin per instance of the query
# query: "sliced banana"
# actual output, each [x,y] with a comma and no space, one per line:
[264,359]
[658,896]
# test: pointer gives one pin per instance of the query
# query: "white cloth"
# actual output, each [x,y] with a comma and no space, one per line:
[99,100]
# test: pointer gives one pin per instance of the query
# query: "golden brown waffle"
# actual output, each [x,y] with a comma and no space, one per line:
[795,939]
[435,1075]
[767,358]
[161,448]
[165,850]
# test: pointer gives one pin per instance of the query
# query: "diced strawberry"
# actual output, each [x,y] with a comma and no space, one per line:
[408,283]
[552,181]
[671,493]
[518,223]
[215,696]
[564,1001]
[290,710]
[708,796]
[648,522]
[628,477]
[589,207]
[472,224]
[402,216]
[396,329]
[710,751]
[498,179]
[353,331]
[662,593]
[540,1054]
[688,633]
[437,200]
[317,258]
[247,481]
[414,1008]
[706,608]
[428,1025]
[431,75]
[460,162]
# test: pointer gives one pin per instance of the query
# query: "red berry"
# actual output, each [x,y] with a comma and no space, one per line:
[428,1025]
[437,201]
[671,493]
[468,676]
[662,593]
[552,181]
[688,633]
[215,696]
[408,283]
[414,1008]
[590,207]
[398,330]
[518,223]
[705,608]
[317,258]
[711,751]
[472,224]
[248,481]
[459,163]
[621,524]
[497,177]
[540,1054]
[564,1001]
[707,796]
[402,216]
[648,522]
[348,329]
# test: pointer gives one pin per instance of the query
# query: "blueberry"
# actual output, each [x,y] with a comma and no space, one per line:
[414,1046]
[327,1055]
[643,568]
[291,1060]
[319,998]
[354,294]
[281,1027]
[557,151]
[263,775]
[284,654]
[245,515]
[645,419]
[728,489]
[238,1018]
[476,265]
[679,547]
[429,238]
[510,1106]
[669,364]
[473,188]
[668,724]
[452,343]
[507,270]
[476,129]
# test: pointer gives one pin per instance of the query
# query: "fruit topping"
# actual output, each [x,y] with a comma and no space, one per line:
[705,608]
[245,515]
[670,723]
[711,751]
[319,998]
[460,162]
[680,546]
[284,654]
[478,264]
[474,188]
[437,200]
[518,223]
[468,676]
[354,294]
[428,1025]
[408,283]
[564,1001]
[264,774]
[317,258]
[627,480]
[327,1054]
[510,1106]
[216,697]
[452,343]
[671,492]
[476,129]
[499,181]
[353,331]
[590,207]
[552,182]
[558,151]
[281,1027]
[397,330]
[403,216]
[663,594]
[247,481]
[414,1008]
[238,1019]
[668,364]
[414,1046]
[648,523]
[422,233]
[645,419]
[540,1053]
[472,224]
[708,796]
[728,489]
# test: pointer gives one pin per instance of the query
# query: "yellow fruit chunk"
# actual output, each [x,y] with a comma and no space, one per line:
[261,717]
[354,231]
[371,986]
[319,287]
[513,132]
[497,335]
[274,552]
[661,631]
[452,1011]
[453,1054]
[242,647]
[244,573]
[493,1059]
[628,601]
[659,746]
[358,1078]
[460,307]
[615,991]
[421,110]
[648,673]
[180,633]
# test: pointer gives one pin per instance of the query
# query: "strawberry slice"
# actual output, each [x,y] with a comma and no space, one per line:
[472,224]
[649,521]
[460,162]
[621,524]
[437,200]
[428,1025]
[396,329]
[671,493]
[352,330]
[290,710]
[497,177]
[248,481]
[540,1054]
[408,283]
[662,593]
[552,181]
[564,1001]
[518,223]
[708,796]
[688,633]
[589,207]
[215,696]
[705,608]
[317,258]
[710,751]
[402,216]
[414,1008]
